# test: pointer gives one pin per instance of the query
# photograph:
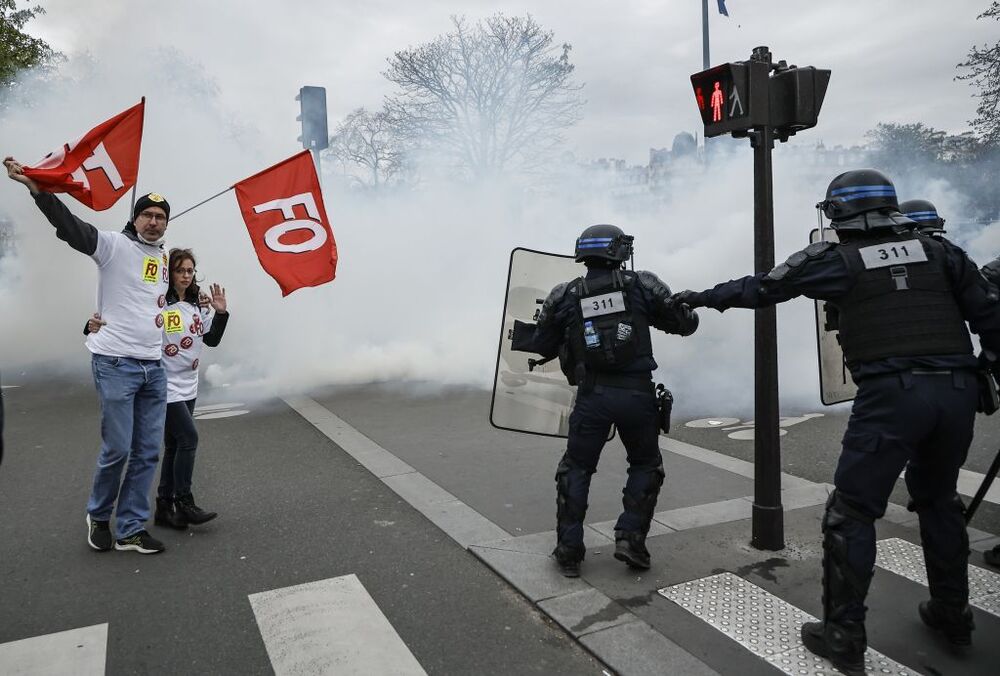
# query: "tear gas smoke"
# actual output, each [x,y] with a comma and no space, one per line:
[419,288]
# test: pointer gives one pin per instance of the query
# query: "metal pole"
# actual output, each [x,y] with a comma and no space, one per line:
[705,60]
[218,194]
[768,514]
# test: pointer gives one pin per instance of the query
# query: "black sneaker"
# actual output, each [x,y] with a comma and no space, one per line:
[99,535]
[141,542]
[191,512]
[843,644]
[630,547]
[568,559]
[992,557]
[955,623]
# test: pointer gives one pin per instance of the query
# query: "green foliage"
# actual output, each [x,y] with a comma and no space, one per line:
[18,50]
[982,69]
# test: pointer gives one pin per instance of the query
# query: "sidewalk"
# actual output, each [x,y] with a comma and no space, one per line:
[710,604]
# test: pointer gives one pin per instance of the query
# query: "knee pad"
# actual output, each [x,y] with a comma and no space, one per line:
[839,511]
[568,507]
[646,502]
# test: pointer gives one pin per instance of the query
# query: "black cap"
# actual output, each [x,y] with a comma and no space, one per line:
[152,199]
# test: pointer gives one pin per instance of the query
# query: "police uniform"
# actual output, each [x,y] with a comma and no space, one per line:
[599,327]
[903,300]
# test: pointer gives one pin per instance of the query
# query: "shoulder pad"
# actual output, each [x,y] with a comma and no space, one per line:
[554,298]
[653,283]
[814,250]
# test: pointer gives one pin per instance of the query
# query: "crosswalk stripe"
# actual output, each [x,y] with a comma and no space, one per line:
[764,624]
[330,626]
[82,652]
[907,560]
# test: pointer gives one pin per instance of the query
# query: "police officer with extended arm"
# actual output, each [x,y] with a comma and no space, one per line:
[903,299]
[598,325]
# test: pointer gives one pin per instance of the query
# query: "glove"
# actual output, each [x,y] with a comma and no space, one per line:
[690,298]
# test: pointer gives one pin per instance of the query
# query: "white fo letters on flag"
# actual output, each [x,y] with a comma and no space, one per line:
[285,205]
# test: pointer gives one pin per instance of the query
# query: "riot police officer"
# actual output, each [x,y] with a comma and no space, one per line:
[903,300]
[925,215]
[598,325]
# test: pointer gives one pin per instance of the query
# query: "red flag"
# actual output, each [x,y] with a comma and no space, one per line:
[98,168]
[284,212]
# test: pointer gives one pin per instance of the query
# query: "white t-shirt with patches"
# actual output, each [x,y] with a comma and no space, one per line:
[184,324]
[131,292]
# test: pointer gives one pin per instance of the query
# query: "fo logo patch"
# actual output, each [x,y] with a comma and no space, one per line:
[170,350]
[186,342]
[159,321]
[194,365]
[161,301]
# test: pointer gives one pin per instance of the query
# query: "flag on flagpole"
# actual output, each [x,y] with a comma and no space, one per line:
[100,166]
[284,213]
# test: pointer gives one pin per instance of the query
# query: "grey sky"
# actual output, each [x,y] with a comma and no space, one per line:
[892,60]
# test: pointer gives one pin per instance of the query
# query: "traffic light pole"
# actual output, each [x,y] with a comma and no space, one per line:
[768,514]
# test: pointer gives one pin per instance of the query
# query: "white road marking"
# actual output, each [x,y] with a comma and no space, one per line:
[216,407]
[8,387]
[907,560]
[763,624]
[330,627]
[219,414]
[82,652]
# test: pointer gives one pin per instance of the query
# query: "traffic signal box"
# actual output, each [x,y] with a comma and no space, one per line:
[736,97]
[314,130]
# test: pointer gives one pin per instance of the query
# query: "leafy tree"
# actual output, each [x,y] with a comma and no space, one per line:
[983,71]
[490,96]
[18,50]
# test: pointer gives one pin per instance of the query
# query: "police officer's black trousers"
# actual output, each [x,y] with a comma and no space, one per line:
[635,415]
[920,420]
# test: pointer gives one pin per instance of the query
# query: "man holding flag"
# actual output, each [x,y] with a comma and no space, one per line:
[131,292]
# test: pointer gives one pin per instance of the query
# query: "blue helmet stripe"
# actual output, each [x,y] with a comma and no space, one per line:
[592,246]
[862,188]
[606,240]
[864,195]
[925,217]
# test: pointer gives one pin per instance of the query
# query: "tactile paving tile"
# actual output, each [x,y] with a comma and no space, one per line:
[907,560]
[763,624]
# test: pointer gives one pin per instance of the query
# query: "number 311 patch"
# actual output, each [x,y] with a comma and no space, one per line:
[893,253]
[605,304]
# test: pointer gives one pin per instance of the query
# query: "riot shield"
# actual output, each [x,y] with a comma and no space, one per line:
[835,382]
[534,400]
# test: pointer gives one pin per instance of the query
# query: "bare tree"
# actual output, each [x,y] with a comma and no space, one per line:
[983,70]
[491,96]
[369,141]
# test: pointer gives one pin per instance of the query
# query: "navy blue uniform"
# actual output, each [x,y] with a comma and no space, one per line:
[914,411]
[620,395]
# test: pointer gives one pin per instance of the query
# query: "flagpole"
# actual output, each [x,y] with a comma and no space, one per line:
[705,60]
[218,194]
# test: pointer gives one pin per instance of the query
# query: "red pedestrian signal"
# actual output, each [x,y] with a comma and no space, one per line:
[723,98]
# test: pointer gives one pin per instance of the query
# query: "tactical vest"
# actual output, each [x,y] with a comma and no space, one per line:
[902,303]
[605,334]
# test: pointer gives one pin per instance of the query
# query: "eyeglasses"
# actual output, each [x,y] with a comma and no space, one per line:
[184,271]
[152,216]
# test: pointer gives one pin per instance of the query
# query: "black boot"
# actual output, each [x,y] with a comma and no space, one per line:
[992,557]
[568,559]
[954,622]
[841,636]
[192,512]
[166,515]
[630,547]
[843,643]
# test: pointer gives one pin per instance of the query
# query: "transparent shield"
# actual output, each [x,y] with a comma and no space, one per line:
[539,400]
[835,382]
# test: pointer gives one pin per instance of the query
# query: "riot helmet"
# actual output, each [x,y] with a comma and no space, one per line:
[925,214]
[603,243]
[861,200]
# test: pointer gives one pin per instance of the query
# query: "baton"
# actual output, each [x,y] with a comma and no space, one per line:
[991,474]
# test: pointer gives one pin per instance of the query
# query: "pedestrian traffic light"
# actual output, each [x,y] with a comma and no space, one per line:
[740,96]
[722,94]
[796,95]
[313,117]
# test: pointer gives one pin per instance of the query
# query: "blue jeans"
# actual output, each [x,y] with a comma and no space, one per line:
[133,395]
[180,441]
